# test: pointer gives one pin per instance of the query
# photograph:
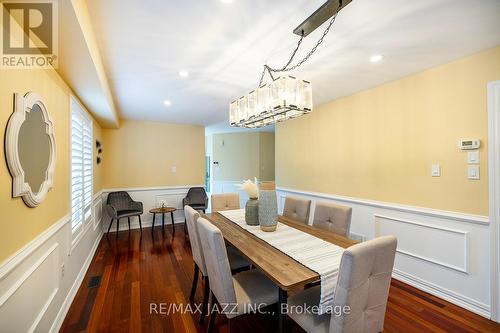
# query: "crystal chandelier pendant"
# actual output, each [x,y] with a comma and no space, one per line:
[285,98]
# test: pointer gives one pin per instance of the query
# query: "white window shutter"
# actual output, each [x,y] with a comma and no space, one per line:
[81,167]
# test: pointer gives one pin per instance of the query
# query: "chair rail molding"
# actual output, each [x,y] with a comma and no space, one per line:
[494,193]
[470,218]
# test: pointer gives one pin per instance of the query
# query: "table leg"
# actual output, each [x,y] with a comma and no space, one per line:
[162,221]
[282,299]
[172,218]
[153,227]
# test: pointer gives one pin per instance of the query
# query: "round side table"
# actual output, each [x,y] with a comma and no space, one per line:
[163,211]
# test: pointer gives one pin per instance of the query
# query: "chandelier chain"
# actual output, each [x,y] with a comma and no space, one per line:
[285,68]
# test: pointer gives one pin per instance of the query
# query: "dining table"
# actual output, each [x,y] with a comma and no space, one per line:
[287,273]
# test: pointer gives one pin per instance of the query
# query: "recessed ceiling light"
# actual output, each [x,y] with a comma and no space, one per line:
[226,1]
[167,102]
[376,58]
[183,74]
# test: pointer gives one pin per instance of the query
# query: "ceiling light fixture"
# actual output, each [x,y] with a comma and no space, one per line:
[167,103]
[226,1]
[284,97]
[376,58]
[183,74]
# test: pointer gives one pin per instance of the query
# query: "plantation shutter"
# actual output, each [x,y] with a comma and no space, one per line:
[81,167]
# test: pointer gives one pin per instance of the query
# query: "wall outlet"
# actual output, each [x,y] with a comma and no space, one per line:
[62,270]
[436,170]
[173,169]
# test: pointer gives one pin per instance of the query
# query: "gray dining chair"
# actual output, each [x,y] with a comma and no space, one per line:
[333,217]
[236,261]
[236,294]
[224,201]
[362,286]
[120,205]
[297,209]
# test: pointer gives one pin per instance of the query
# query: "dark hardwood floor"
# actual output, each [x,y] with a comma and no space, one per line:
[132,281]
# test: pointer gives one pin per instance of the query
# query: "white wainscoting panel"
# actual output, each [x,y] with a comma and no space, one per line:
[37,282]
[410,235]
[444,253]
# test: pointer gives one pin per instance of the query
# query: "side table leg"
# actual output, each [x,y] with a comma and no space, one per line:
[172,218]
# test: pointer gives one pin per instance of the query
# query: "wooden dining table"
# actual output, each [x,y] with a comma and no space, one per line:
[287,273]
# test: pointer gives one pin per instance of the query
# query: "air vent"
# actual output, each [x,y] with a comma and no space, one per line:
[95,281]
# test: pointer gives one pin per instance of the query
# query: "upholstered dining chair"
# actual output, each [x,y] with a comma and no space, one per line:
[363,286]
[236,261]
[237,293]
[332,217]
[120,205]
[297,209]
[224,201]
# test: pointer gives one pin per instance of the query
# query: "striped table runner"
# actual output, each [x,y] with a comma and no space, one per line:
[314,253]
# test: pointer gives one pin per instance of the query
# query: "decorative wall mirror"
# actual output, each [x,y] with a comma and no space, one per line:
[30,149]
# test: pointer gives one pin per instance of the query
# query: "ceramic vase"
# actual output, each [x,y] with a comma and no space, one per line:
[252,211]
[268,209]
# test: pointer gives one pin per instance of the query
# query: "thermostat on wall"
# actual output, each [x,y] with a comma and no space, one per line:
[469,144]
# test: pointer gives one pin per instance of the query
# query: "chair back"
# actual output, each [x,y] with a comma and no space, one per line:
[119,200]
[197,195]
[225,201]
[219,271]
[332,217]
[194,238]
[363,285]
[297,209]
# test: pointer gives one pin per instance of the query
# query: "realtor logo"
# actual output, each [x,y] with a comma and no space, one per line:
[29,34]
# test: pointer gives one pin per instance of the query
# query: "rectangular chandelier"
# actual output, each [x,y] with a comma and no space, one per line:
[285,98]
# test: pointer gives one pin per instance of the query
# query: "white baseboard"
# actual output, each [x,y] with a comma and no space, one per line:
[438,291]
[61,315]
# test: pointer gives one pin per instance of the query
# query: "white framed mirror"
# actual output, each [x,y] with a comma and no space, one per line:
[30,149]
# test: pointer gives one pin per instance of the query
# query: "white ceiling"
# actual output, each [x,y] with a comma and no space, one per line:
[145,43]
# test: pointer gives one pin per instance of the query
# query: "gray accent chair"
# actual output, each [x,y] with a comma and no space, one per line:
[236,261]
[120,205]
[297,209]
[237,293]
[196,198]
[363,286]
[224,201]
[334,218]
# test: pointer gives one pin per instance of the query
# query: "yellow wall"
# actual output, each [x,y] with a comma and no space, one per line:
[141,154]
[18,223]
[267,158]
[380,144]
[243,156]
[98,168]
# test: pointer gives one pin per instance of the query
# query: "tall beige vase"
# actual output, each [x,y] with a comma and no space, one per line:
[268,206]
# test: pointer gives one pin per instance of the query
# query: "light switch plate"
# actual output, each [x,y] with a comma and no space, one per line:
[473,172]
[436,170]
[174,169]
[473,157]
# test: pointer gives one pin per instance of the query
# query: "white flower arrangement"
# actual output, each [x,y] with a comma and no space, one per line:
[251,188]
